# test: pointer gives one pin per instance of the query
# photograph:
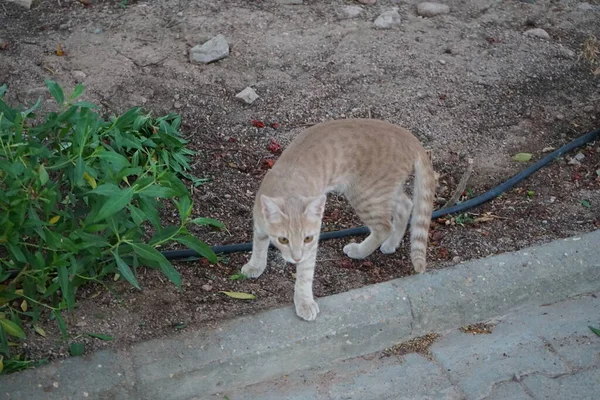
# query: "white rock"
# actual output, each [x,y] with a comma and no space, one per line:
[428,9]
[206,288]
[24,3]
[537,32]
[350,11]
[585,7]
[79,75]
[388,20]
[579,156]
[213,50]
[443,62]
[248,95]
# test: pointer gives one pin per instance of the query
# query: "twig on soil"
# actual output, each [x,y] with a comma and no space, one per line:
[461,185]
[153,63]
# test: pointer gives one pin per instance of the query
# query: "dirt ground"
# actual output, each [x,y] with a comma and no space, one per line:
[468,84]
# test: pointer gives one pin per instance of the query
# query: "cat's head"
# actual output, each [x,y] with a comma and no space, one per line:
[293,224]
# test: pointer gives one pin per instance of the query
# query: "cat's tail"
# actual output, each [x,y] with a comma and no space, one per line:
[423,193]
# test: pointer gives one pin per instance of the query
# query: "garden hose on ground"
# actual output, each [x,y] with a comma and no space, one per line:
[487,196]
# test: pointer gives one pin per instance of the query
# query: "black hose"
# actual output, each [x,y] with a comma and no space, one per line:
[363,230]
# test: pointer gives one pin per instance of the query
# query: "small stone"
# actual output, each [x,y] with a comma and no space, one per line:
[552,199]
[548,149]
[428,9]
[213,50]
[563,52]
[573,161]
[537,32]
[588,109]
[443,62]
[579,156]
[177,105]
[79,75]
[456,259]
[23,3]
[97,31]
[227,196]
[388,20]
[289,2]
[585,7]
[350,12]
[248,95]
[206,288]
[180,14]
[559,117]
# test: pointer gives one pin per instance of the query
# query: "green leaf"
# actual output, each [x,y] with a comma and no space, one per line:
[149,253]
[240,295]
[11,328]
[184,206]
[3,90]
[159,191]
[137,215]
[164,234]
[118,161]
[238,277]
[76,349]
[585,203]
[201,248]
[56,91]
[115,204]
[78,91]
[43,174]
[100,336]
[106,189]
[78,172]
[125,270]
[595,330]
[61,323]
[208,221]
[522,157]
[66,286]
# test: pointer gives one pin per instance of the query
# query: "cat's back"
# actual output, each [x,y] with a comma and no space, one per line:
[347,137]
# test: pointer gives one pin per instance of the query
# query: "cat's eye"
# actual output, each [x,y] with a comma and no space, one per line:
[283,240]
[308,239]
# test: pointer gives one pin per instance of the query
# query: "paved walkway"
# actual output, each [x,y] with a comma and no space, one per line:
[541,352]
[541,347]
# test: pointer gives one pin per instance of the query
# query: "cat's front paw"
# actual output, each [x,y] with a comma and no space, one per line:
[352,250]
[307,309]
[252,271]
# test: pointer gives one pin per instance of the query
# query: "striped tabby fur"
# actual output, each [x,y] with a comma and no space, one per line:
[366,160]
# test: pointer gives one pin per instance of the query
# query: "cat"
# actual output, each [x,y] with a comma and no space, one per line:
[366,160]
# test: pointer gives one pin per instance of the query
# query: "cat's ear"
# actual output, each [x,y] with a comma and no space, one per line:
[315,206]
[271,209]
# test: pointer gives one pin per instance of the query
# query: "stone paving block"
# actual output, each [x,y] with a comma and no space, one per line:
[490,287]
[565,326]
[110,378]
[368,378]
[259,347]
[508,391]
[477,362]
[415,377]
[583,385]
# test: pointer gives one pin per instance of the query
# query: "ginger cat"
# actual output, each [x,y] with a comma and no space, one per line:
[366,160]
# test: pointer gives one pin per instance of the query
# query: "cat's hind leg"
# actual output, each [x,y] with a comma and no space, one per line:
[376,213]
[400,222]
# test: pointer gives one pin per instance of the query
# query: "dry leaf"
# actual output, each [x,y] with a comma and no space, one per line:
[39,330]
[522,157]
[59,50]
[239,295]
[54,219]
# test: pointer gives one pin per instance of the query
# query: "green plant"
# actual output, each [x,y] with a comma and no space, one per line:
[79,200]
[462,219]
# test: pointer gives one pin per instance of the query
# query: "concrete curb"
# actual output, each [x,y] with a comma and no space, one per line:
[250,349]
